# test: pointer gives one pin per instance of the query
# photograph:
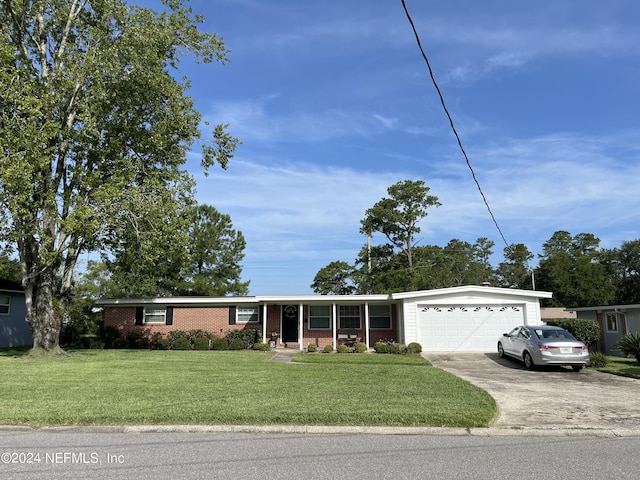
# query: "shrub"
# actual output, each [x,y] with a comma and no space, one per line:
[193,334]
[237,344]
[327,349]
[174,335]
[361,347]
[142,343]
[397,348]
[630,345]
[181,343]
[161,344]
[108,335]
[248,337]
[414,348]
[587,331]
[598,360]
[381,347]
[342,349]
[201,343]
[219,344]
[312,348]
[132,337]
[263,347]
[120,343]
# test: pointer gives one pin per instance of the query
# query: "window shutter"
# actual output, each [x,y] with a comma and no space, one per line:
[169,316]
[232,315]
[260,314]
[139,315]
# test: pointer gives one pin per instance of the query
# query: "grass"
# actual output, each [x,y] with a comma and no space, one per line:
[626,367]
[106,387]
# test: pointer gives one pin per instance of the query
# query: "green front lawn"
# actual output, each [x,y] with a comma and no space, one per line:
[626,367]
[106,387]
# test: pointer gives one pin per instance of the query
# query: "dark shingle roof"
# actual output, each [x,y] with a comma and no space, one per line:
[8,285]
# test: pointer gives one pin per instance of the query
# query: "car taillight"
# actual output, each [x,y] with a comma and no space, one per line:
[546,347]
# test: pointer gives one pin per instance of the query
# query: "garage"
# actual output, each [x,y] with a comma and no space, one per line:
[468,318]
[466,327]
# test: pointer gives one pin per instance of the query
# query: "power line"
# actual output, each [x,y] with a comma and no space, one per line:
[455,132]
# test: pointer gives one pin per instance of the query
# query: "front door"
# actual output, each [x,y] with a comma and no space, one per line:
[290,324]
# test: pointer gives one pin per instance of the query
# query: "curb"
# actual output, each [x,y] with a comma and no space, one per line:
[337,430]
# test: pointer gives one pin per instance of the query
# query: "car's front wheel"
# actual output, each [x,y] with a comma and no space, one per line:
[500,350]
[528,361]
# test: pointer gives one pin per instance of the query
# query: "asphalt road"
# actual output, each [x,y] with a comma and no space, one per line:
[550,397]
[95,454]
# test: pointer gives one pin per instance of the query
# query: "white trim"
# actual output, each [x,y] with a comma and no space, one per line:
[324,299]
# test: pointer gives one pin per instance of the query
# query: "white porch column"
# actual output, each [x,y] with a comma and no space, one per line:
[300,325]
[366,323]
[334,323]
[264,323]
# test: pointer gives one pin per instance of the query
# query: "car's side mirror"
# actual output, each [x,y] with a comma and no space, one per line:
[505,334]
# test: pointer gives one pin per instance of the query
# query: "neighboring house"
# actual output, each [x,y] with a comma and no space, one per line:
[468,318]
[14,329]
[615,322]
[549,313]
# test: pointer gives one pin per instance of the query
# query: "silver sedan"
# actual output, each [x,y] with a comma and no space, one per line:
[544,345]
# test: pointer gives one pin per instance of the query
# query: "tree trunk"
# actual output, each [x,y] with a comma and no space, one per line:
[41,317]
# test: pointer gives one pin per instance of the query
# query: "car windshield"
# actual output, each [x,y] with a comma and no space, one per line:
[545,334]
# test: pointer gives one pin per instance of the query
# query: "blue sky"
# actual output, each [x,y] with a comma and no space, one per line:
[333,103]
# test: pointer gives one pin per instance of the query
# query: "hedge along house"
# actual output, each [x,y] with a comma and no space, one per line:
[468,318]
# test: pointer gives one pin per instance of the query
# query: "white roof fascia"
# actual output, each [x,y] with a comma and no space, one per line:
[318,299]
[472,289]
[602,307]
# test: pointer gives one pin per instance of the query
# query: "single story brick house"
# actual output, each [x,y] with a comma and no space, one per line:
[468,318]
[615,322]
[14,329]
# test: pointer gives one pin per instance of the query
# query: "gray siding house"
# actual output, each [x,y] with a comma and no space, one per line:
[14,330]
[615,322]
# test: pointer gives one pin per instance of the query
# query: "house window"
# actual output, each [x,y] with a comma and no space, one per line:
[5,304]
[319,318]
[612,322]
[380,317]
[155,314]
[349,317]
[248,314]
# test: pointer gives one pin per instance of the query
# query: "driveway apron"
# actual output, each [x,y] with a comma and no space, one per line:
[550,397]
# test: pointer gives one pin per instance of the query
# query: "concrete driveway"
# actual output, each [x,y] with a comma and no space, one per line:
[548,398]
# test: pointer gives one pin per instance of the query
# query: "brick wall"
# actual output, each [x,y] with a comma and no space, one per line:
[210,319]
[216,320]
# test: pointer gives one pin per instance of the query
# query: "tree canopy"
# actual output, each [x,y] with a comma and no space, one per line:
[94,131]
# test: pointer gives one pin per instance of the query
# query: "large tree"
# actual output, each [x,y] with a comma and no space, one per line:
[91,121]
[397,216]
[514,272]
[215,250]
[623,267]
[192,251]
[334,279]
[570,267]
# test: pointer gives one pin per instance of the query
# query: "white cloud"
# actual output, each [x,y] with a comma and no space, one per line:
[255,120]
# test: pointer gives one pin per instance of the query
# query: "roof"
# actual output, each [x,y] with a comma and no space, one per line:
[473,289]
[547,313]
[320,299]
[10,286]
[606,307]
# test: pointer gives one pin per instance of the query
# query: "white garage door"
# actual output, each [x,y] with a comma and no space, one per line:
[467,328]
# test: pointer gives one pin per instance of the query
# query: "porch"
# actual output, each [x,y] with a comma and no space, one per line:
[296,326]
